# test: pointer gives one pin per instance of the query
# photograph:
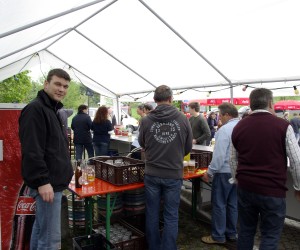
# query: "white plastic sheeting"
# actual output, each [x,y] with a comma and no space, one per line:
[125,48]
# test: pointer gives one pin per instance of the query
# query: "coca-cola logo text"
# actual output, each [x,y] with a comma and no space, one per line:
[25,205]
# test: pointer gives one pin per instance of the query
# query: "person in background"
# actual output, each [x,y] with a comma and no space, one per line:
[201,132]
[102,127]
[246,113]
[46,165]
[166,136]
[286,116]
[223,193]
[212,124]
[295,123]
[81,125]
[63,115]
[140,111]
[111,116]
[259,166]
[147,108]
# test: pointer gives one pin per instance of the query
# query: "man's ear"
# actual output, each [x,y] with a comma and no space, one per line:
[271,104]
[46,83]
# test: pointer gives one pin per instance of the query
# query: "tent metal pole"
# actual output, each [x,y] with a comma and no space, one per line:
[48,18]
[185,41]
[82,22]
[30,45]
[81,73]
[231,95]
[111,55]
[118,110]
[232,85]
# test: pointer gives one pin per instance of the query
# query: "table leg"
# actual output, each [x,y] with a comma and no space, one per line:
[195,190]
[108,214]
[88,215]
[73,212]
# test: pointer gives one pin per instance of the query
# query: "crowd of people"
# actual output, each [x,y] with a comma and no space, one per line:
[248,170]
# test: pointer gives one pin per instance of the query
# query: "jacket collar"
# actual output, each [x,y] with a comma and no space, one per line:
[48,101]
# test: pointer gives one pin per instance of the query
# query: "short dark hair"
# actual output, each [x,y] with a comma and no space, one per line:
[260,98]
[162,93]
[82,107]
[195,105]
[141,106]
[148,106]
[228,108]
[59,73]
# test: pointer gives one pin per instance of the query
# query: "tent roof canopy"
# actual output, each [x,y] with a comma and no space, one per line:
[126,48]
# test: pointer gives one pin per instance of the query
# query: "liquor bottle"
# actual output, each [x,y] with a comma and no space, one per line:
[23,220]
[78,175]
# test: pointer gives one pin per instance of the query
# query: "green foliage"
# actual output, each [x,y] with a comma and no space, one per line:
[74,98]
[280,98]
[15,89]
[177,104]
[35,87]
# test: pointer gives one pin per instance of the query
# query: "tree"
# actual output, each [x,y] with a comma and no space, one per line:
[74,98]
[35,87]
[16,88]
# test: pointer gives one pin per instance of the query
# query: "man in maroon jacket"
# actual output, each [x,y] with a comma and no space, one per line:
[261,144]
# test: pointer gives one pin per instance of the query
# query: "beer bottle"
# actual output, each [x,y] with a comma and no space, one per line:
[78,176]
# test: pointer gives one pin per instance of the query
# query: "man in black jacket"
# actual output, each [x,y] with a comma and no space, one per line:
[81,125]
[46,166]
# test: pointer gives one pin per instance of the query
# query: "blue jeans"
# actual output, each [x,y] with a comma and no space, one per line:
[271,213]
[101,148]
[224,207]
[168,190]
[79,150]
[47,225]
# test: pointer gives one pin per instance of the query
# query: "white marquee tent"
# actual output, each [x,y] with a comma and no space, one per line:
[123,49]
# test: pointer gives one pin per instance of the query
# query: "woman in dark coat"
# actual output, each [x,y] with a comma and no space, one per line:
[101,127]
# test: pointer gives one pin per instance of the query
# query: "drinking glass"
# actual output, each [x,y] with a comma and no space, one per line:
[90,173]
[84,170]
[192,165]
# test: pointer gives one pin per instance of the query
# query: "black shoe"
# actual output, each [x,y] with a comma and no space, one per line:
[231,239]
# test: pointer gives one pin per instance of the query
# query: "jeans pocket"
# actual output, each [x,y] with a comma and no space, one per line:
[33,193]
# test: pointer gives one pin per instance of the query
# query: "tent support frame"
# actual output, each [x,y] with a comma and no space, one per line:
[49,18]
[82,73]
[119,61]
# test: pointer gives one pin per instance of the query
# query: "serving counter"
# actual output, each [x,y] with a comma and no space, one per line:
[121,144]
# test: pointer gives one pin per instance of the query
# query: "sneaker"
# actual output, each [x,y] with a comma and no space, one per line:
[232,238]
[210,240]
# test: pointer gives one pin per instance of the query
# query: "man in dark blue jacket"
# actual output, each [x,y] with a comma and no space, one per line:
[46,166]
[81,125]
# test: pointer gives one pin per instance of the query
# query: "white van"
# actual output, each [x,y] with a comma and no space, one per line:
[92,112]
[125,117]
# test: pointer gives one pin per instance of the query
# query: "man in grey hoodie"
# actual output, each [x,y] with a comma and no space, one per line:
[166,135]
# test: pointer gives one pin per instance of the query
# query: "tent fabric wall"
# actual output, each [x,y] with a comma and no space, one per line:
[125,48]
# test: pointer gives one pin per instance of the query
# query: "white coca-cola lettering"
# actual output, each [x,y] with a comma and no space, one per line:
[26,205]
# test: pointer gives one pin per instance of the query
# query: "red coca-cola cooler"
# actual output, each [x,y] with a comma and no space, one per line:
[16,208]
